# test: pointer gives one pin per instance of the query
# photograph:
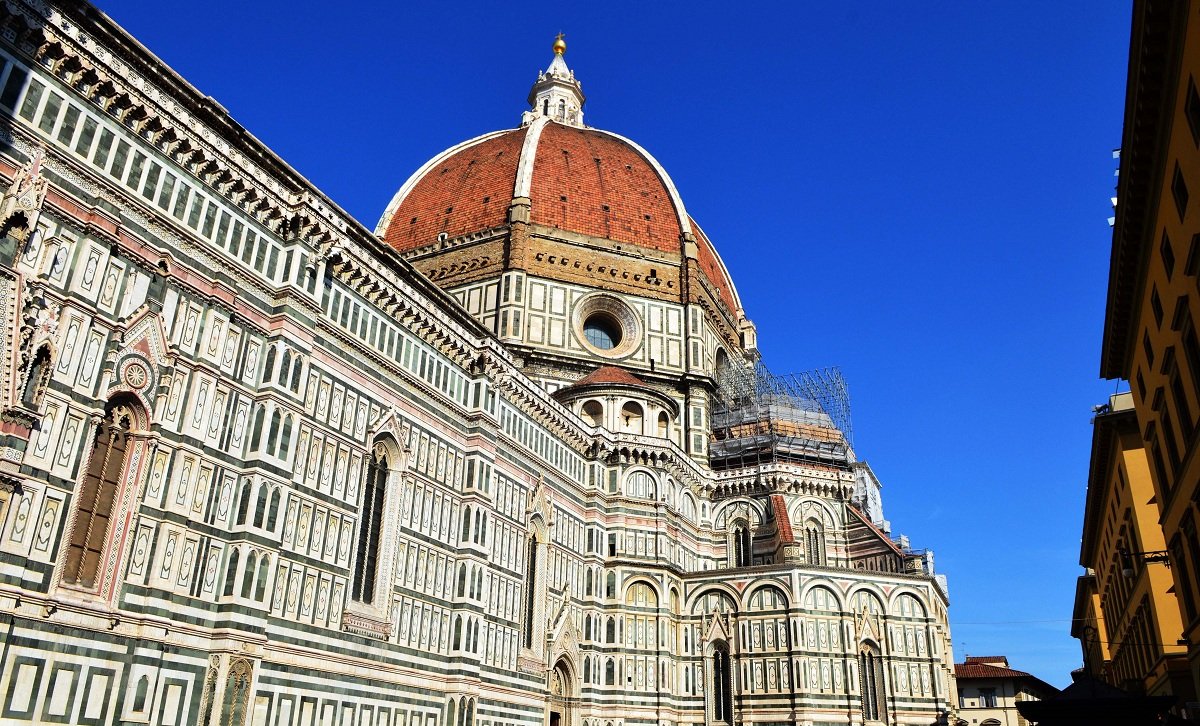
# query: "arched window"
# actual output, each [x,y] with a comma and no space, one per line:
[38,378]
[297,367]
[589,583]
[610,673]
[260,505]
[462,581]
[285,368]
[273,510]
[610,585]
[631,417]
[273,436]
[248,576]
[285,439]
[256,435]
[610,631]
[593,413]
[870,681]
[260,582]
[562,109]
[641,485]
[97,495]
[743,545]
[587,670]
[465,534]
[243,507]
[814,542]
[457,632]
[531,564]
[369,522]
[139,697]
[664,424]
[721,691]
[269,368]
[231,572]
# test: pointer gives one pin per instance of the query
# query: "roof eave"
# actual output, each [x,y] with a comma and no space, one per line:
[1156,42]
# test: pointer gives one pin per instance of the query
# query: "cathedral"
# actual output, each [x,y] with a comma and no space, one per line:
[512,458]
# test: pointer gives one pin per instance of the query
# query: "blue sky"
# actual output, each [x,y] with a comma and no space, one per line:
[915,192]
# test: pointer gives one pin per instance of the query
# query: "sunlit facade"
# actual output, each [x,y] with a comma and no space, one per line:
[511,458]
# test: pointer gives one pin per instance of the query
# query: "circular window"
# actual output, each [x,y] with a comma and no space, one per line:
[605,325]
[602,331]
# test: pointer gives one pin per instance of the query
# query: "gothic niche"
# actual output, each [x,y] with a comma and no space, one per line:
[22,203]
[38,325]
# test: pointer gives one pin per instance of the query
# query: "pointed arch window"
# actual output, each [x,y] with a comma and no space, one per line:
[530,580]
[870,681]
[273,510]
[273,435]
[260,505]
[260,581]
[243,507]
[465,535]
[285,441]
[97,495]
[285,368]
[370,522]
[231,573]
[743,545]
[721,690]
[38,379]
[297,369]
[814,542]
[256,435]
[248,575]
[269,368]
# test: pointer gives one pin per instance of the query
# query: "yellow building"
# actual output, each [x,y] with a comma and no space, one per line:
[1151,339]
[1126,614]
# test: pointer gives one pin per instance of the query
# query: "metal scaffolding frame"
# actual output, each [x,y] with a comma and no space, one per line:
[760,417]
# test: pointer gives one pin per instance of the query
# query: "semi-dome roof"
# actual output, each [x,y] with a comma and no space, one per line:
[578,179]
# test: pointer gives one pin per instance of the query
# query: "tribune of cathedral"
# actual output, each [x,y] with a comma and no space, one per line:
[511,458]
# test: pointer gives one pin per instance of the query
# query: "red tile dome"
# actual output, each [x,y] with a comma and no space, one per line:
[580,180]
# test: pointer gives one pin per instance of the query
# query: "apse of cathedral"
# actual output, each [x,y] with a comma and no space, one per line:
[510,458]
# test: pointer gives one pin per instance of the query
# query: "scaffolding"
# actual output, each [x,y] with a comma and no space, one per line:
[760,417]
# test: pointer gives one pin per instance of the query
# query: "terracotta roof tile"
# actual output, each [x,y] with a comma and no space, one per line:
[609,375]
[583,181]
[712,267]
[783,522]
[982,670]
[610,190]
[468,191]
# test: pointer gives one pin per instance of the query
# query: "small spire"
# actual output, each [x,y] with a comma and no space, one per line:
[556,94]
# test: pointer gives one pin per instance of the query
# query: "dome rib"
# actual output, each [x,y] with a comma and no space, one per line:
[528,154]
[599,184]
[715,270]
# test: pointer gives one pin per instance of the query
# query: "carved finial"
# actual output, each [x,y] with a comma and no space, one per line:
[560,45]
